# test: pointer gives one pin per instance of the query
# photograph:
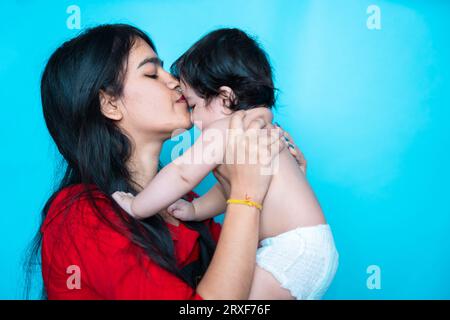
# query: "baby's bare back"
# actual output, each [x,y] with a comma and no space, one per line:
[290,202]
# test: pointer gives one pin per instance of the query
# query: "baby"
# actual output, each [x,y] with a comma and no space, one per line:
[224,72]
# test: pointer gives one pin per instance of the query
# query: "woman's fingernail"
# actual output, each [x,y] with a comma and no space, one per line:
[286,138]
[291,146]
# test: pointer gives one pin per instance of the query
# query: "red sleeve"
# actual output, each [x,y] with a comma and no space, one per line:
[110,266]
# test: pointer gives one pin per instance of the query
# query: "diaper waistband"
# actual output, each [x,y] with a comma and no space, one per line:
[319,230]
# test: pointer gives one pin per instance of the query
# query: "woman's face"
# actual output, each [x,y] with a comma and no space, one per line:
[151,105]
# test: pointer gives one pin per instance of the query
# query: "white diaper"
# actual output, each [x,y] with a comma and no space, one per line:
[303,260]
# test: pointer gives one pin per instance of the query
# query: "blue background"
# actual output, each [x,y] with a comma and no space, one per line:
[369,108]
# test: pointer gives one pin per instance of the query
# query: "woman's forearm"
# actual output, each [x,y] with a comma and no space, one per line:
[230,273]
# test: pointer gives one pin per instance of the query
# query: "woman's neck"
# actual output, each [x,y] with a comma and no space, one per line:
[143,163]
[143,166]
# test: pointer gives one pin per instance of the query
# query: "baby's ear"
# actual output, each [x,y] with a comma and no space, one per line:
[226,96]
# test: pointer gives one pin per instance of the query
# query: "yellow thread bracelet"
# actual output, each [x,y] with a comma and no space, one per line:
[245,202]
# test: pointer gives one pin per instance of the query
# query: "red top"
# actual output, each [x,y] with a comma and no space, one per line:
[79,246]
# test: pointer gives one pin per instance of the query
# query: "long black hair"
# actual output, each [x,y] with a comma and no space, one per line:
[228,57]
[94,149]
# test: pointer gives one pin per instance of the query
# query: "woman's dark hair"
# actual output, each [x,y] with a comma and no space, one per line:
[228,57]
[94,149]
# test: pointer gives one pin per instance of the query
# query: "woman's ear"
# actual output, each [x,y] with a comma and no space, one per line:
[226,96]
[109,106]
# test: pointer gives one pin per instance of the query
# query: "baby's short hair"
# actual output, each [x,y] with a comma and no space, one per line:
[228,57]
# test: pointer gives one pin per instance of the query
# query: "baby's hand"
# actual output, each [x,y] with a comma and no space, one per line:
[124,200]
[183,210]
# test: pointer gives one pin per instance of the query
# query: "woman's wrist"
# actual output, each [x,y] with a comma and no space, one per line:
[247,195]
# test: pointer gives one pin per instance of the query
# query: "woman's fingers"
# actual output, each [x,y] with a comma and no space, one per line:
[261,141]
[246,172]
[237,121]
[172,207]
[294,150]
[271,143]
[256,124]
[275,134]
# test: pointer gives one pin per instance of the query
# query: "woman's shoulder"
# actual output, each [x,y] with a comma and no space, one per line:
[82,219]
[77,193]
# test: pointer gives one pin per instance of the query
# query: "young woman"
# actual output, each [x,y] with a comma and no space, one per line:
[109,106]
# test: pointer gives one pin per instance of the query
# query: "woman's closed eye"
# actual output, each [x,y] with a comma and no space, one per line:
[153,76]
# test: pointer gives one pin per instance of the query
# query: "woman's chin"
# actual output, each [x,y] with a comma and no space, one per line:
[187,121]
[181,124]
[188,125]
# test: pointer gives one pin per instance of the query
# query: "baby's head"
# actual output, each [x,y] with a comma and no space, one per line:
[223,72]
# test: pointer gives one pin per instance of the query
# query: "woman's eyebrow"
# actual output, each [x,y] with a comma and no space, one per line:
[154,60]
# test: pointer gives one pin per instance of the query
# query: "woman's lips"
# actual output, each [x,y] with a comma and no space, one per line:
[182,99]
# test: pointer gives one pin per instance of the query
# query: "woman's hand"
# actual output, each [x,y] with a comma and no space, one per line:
[251,180]
[294,150]
[230,273]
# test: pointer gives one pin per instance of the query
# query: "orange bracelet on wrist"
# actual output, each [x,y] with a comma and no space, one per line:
[246,202]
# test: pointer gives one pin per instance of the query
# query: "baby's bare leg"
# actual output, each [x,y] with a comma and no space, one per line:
[266,287]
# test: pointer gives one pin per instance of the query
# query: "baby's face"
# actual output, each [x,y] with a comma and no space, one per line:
[202,115]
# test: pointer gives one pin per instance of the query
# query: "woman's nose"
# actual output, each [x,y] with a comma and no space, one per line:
[171,82]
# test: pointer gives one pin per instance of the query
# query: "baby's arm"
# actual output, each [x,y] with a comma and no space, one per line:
[211,204]
[214,201]
[183,174]
[205,207]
